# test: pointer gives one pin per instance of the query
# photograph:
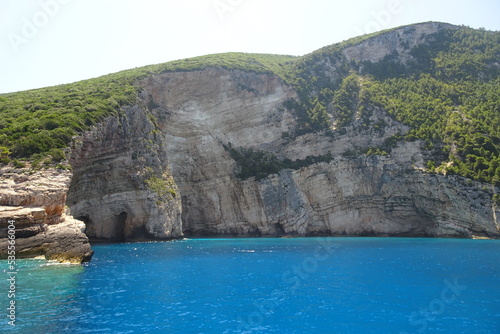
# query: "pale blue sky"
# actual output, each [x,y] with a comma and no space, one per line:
[50,42]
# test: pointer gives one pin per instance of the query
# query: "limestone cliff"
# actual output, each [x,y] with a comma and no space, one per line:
[163,167]
[35,203]
[198,113]
[398,41]
[121,187]
[364,195]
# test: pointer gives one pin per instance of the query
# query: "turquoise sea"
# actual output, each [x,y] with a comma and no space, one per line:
[303,285]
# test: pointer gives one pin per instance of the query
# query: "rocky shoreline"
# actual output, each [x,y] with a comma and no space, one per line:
[33,205]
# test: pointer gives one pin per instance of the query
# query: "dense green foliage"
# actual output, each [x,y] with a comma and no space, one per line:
[38,121]
[447,92]
[449,55]
[259,63]
[260,164]
[345,100]
[454,107]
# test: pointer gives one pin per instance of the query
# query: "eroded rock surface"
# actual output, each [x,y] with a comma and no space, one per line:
[122,188]
[161,169]
[364,195]
[35,203]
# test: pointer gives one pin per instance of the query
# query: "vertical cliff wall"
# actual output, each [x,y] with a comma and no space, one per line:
[163,168]
[122,188]
[262,145]
[200,112]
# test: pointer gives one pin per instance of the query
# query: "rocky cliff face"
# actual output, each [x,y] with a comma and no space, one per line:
[122,188]
[180,129]
[400,41]
[366,195]
[35,203]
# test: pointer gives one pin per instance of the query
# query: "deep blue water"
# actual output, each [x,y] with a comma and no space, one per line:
[305,285]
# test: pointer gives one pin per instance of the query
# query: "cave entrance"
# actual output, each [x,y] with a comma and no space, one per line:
[87,222]
[121,221]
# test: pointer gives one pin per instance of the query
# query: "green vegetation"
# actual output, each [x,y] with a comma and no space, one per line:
[162,185]
[38,121]
[376,151]
[447,92]
[459,122]
[258,63]
[449,55]
[253,163]
[496,199]
[345,100]
[260,164]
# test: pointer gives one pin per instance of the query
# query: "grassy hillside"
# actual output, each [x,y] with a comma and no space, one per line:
[449,95]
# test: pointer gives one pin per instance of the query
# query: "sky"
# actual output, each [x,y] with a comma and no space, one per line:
[51,42]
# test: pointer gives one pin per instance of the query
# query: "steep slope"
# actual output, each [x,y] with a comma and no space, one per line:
[387,134]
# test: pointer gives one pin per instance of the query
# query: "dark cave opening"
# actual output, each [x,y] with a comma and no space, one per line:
[121,221]
[87,221]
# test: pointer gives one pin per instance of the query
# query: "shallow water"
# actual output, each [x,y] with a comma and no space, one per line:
[304,285]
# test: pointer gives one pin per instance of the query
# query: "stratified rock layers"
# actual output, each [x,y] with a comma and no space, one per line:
[161,169]
[196,114]
[112,165]
[184,121]
[363,195]
[33,205]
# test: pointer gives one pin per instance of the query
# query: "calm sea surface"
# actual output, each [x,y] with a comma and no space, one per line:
[304,285]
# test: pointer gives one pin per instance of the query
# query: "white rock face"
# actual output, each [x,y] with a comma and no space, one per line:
[201,111]
[401,41]
[109,193]
[180,128]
